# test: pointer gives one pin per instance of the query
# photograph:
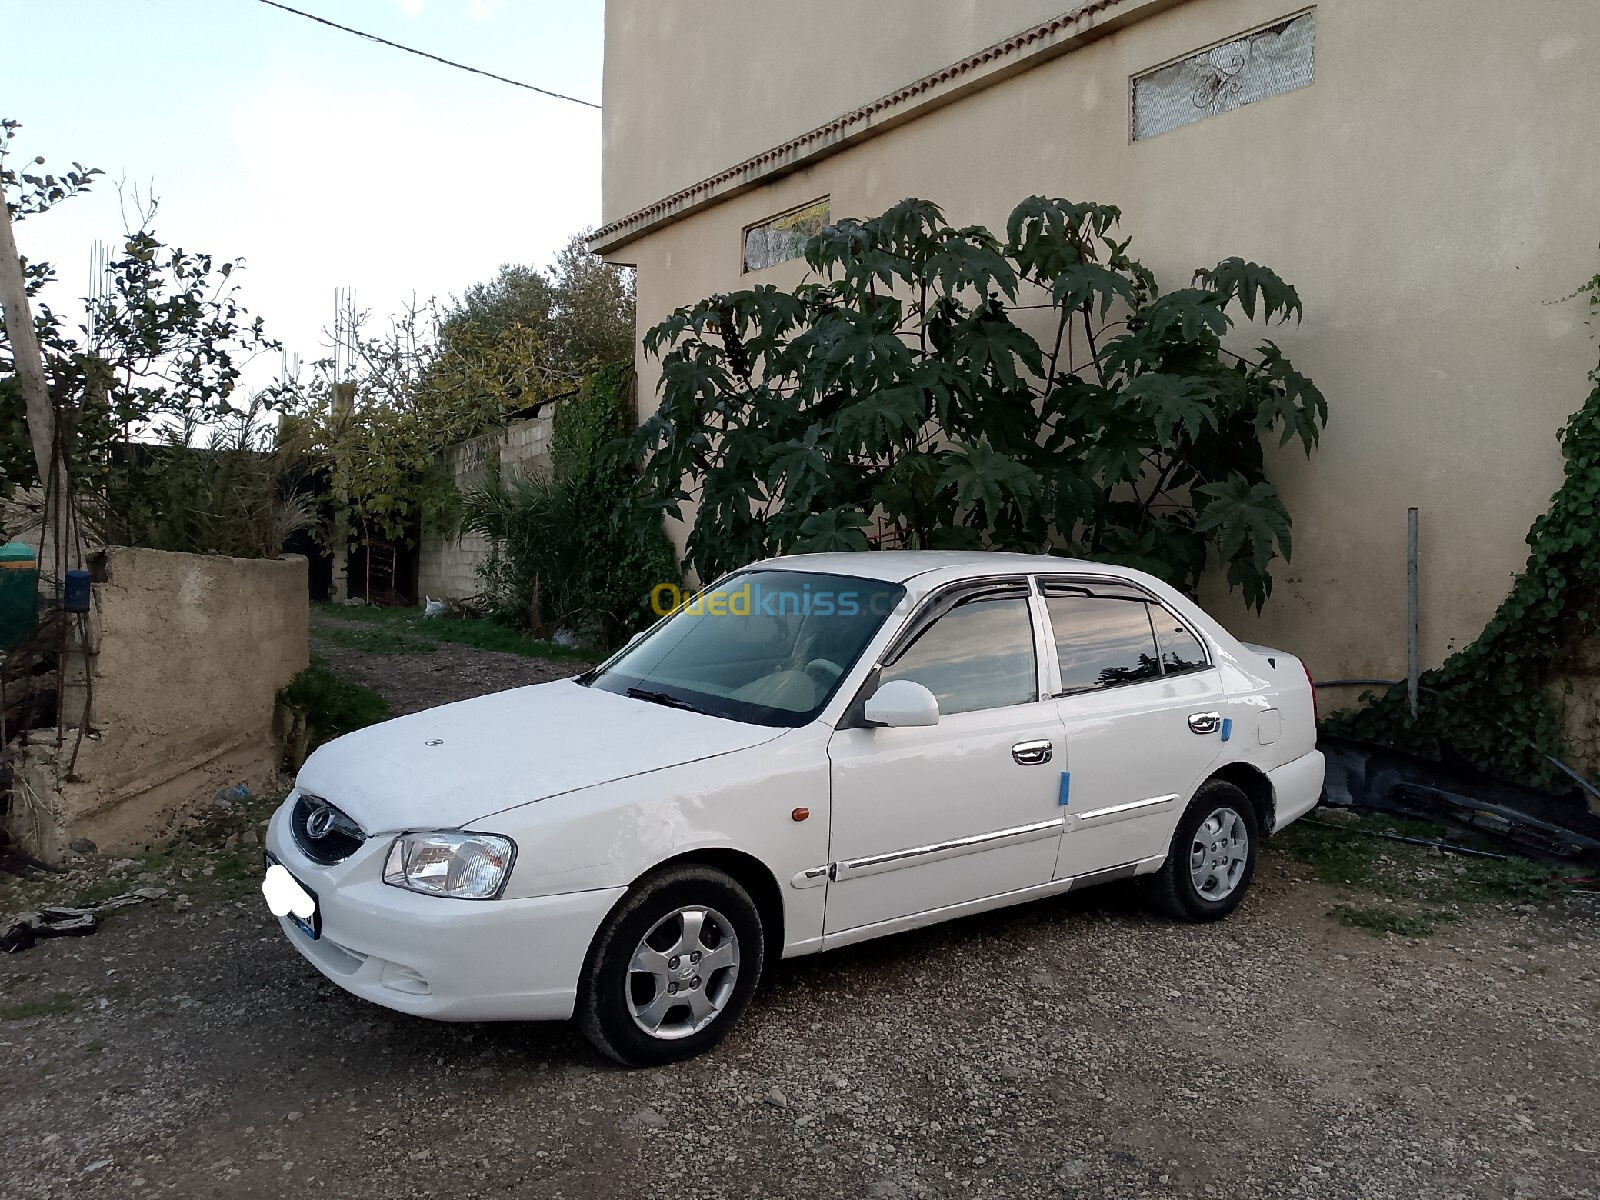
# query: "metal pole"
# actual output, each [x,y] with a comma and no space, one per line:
[1412,652]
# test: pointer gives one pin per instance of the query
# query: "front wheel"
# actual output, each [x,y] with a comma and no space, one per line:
[1212,857]
[672,967]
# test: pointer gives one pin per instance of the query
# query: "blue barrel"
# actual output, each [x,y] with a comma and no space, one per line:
[75,598]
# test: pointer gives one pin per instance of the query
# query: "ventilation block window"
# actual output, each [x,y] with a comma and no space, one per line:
[1251,67]
[780,238]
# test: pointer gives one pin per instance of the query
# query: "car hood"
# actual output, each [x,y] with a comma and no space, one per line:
[448,766]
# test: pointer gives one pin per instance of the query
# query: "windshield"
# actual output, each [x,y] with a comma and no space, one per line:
[765,647]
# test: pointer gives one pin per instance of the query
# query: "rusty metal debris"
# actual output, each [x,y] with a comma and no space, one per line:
[29,928]
[1528,822]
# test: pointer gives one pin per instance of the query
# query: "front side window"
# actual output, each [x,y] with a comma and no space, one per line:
[1102,641]
[978,655]
[766,647]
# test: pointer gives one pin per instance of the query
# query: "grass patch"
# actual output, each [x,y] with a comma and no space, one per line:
[1334,855]
[1515,879]
[407,631]
[359,612]
[330,706]
[238,868]
[1379,920]
[55,1006]
[1421,886]
[492,635]
[379,640]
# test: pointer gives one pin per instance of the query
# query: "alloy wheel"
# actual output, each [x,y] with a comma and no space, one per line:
[682,972]
[1218,854]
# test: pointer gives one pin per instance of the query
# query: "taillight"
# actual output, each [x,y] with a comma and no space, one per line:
[1316,713]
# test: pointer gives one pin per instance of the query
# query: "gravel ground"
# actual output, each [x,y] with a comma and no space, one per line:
[413,682]
[1076,1047]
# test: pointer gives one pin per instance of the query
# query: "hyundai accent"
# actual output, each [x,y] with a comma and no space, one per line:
[816,750]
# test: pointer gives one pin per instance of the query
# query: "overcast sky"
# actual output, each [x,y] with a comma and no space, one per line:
[325,161]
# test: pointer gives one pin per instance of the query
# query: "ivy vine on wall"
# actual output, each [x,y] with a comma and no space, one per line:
[1494,703]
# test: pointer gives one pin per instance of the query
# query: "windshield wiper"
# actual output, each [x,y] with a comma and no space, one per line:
[662,699]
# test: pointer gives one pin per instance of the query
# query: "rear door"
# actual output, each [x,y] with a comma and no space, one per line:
[1142,707]
[925,818]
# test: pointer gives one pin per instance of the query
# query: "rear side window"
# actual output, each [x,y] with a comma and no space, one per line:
[978,655]
[1181,651]
[1102,641]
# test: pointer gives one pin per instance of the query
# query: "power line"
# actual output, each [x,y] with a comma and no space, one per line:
[424,54]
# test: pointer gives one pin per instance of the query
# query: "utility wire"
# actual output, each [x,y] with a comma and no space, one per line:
[424,54]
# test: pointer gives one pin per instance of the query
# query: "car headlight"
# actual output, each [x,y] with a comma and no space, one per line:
[463,866]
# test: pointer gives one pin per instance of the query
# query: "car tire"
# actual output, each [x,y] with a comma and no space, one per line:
[644,967]
[1212,858]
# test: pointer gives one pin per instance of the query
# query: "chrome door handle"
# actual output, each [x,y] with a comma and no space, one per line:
[1032,754]
[1205,722]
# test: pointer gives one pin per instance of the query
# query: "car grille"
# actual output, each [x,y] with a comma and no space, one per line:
[323,833]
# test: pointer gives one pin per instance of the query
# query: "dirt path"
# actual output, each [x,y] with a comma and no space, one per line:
[1077,1047]
[419,679]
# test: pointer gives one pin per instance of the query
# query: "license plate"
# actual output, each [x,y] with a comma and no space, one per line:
[288,897]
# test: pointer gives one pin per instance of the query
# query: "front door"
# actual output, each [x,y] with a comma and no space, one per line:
[1142,706]
[928,817]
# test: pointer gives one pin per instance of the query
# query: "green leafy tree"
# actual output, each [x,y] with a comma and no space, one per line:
[592,320]
[894,400]
[435,378]
[144,384]
[417,388]
[581,308]
[564,556]
[517,295]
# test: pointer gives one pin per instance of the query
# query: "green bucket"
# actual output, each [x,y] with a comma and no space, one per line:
[19,593]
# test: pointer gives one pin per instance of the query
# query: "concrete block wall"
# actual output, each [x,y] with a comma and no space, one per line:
[187,653]
[448,567]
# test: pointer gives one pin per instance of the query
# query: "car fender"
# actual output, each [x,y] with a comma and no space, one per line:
[769,802]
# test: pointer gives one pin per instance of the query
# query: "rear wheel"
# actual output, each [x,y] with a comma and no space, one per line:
[1212,858]
[672,967]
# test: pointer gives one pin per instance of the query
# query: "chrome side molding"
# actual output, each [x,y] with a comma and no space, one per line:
[916,856]
[1118,812]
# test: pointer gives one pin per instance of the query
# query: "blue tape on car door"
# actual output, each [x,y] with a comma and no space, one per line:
[1066,788]
[1227,728]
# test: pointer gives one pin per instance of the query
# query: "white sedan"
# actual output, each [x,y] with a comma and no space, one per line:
[817,750]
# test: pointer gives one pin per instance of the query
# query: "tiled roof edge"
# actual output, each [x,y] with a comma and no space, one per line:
[1058,33]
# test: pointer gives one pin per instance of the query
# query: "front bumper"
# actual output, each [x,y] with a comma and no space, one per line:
[452,960]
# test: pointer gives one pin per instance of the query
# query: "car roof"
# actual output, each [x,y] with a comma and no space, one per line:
[901,566]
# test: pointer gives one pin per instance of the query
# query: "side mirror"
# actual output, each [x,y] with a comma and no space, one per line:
[899,703]
[634,640]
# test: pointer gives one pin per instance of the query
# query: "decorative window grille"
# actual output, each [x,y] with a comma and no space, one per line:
[1250,67]
[780,238]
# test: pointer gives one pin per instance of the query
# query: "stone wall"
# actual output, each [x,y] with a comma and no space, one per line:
[187,653]
[448,567]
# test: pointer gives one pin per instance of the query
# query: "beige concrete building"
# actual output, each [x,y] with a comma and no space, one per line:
[1421,170]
